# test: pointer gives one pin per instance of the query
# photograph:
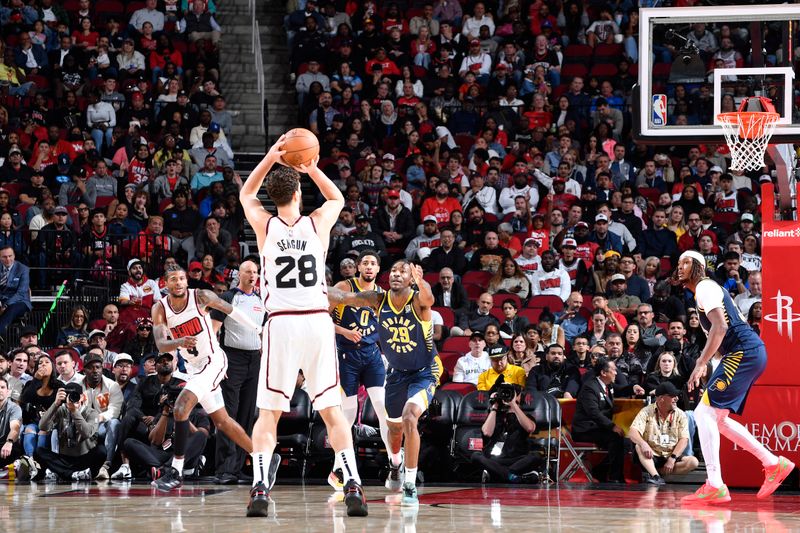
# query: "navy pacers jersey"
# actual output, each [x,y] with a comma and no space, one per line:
[739,336]
[361,318]
[406,340]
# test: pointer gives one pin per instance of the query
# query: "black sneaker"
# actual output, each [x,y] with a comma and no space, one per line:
[274,463]
[259,501]
[652,480]
[170,479]
[354,499]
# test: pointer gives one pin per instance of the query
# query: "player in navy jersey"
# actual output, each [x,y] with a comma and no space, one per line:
[360,361]
[744,358]
[406,336]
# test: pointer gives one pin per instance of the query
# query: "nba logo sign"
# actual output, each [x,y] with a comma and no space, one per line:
[659,110]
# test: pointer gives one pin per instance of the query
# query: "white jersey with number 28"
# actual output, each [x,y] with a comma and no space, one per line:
[293,267]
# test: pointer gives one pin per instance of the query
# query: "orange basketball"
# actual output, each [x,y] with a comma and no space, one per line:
[301,146]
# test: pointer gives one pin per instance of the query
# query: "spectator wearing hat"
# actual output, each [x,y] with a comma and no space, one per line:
[555,375]
[660,433]
[441,205]
[180,222]
[574,266]
[481,193]
[395,223]
[56,245]
[122,370]
[363,238]
[658,240]
[477,62]
[500,366]
[529,261]
[28,336]
[15,299]
[396,184]
[619,300]
[143,342]
[97,339]
[471,365]
[80,455]
[195,274]
[605,240]
[143,407]
[207,175]
[14,170]
[104,396]
[138,294]
[420,247]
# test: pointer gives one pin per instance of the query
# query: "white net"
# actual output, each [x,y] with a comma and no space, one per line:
[748,135]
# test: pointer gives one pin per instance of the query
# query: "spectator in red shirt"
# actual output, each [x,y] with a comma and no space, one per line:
[440,205]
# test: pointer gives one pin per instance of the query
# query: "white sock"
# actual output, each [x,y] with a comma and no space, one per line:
[347,459]
[177,464]
[377,396]
[411,476]
[706,419]
[260,467]
[737,433]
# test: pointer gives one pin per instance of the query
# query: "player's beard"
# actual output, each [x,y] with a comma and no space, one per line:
[369,278]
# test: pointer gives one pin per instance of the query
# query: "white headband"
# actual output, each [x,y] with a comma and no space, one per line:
[691,254]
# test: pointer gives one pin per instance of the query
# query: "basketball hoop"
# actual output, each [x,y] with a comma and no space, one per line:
[748,133]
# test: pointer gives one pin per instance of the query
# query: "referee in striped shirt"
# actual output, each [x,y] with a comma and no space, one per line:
[243,348]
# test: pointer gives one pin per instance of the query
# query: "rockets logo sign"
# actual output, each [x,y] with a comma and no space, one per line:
[784,317]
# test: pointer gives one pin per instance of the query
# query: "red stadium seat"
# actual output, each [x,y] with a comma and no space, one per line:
[431,277]
[604,70]
[477,277]
[462,388]
[574,70]
[608,53]
[499,298]
[650,193]
[550,301]
[449,360]
[666,266]
[448,317]
[456,344]
[578,53]
[531,314]
[474,291]
[497,312]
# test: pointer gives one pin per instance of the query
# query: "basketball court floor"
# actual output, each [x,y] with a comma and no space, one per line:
[210,508]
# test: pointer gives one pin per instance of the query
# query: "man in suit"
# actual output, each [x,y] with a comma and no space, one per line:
[447,255]
[15,298]
[593,421]
[450,293]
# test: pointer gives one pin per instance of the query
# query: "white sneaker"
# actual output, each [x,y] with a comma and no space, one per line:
[82,475]
[102,475]
[394,481]
[123,473]
[49,475]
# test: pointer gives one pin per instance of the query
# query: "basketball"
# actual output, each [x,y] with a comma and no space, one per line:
[301,146]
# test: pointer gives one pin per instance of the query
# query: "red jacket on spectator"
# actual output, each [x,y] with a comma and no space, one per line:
[441,210]
[587,252]
[389,67]
[160,60]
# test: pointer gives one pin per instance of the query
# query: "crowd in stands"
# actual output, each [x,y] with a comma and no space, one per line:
[491,143]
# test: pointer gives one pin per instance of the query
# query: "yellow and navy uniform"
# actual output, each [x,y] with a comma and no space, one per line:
[414,366]
[744,356]
[361,362]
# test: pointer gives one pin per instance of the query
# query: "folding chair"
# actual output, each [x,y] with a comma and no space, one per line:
[578,450]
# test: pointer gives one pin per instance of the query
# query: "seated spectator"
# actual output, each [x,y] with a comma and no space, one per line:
[11,428]
[17,375]
[474,363]
[78,189]
[151,245]
[196,280]
[138,294]
[448,255]
[199,24]
[665,370]
[101,119]
[441,205]
[14,170]
[167,183]
[658,240]
[652,335]
[614,321]
[661,451]
[449,292]
[665,306]
[79,455]
[506,455]
[206,175]
[555,375]
[142,343]
[37,397]
[513,324]
[500,367]
[56,244]
[180,222]
[122,368]
[104,396]
[593,421]
[420,247]
[213,240]
[15,297]
[481,193]
[476,320]
[580,356]
[571,321]
[210,143]
[490,256]
[732,275]
[550,279]
[619,300]
[745,300]
[75,334]
[117,333]
[65,366]
[149,13]
[509,278]
[97,340]
[361,239]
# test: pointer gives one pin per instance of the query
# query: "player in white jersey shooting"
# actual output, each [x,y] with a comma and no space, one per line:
[181,321]
[299,333]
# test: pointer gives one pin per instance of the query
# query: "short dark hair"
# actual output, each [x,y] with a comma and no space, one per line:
[62,352]
[282,183]
[731,255]
[512,302]
[368,253]
[602,363]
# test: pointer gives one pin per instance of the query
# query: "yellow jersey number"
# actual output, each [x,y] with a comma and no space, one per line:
[400,335]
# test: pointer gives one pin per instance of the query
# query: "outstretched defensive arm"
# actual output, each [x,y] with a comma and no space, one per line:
[207,299]
[355,299]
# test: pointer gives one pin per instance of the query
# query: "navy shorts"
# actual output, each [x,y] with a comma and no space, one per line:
[731,381]
[415,386]
[361,366]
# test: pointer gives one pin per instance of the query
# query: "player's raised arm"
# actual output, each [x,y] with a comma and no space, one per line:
[207,298]
[253,209]
[356,299]
[326,215]
[425,294]
[161,332]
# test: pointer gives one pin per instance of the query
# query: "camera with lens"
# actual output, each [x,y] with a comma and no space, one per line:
[169,394]
[74,395]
